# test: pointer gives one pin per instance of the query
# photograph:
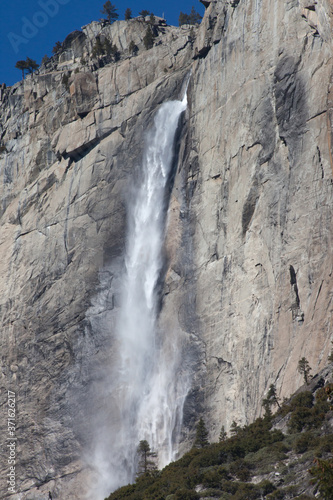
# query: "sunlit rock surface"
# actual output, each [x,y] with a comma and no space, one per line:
[249,241]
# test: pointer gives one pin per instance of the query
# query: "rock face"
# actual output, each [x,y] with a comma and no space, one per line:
[249,241]
[259,163]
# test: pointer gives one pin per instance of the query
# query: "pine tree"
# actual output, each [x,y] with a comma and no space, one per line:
[270,400]
[145,464]
[144,13]
[201,437]
[107,46]
[234,428]
[183,18]
[223,435]
[98,48]
[128,14]
[194,16]
[152,19]
[304,369]
[192,35]
[132,48]
[109,10]
[115,52]
[45,59]
[56,47]
[148,39]
[272,396]
[22,65]
[31,65]
[266,403]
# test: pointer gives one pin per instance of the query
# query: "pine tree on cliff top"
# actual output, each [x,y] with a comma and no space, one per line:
[109,10]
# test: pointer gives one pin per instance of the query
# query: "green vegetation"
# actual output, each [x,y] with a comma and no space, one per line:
[291,462]
[98,49]
[109,10]
[105,48]
[304,369]
[128,14]
[28,65]
[115,52]
[234,428]
[270,400]
[223,435]
[148,39]
[22,65]
[146,465]
[152,19]
[57,47]
[45,59]
[144,13]
[322,473]
[193,18]
[31,65]
[201,437]
[133,48]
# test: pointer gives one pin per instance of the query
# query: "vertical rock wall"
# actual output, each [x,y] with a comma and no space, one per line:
[256,182]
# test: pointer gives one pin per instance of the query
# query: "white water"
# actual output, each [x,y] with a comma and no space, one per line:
[148,388]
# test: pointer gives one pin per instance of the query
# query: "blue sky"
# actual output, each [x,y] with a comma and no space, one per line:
[30,28]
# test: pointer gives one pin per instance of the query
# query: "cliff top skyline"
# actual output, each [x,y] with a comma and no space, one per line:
[31,28]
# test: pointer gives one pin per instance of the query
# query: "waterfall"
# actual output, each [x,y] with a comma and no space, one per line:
[148,385]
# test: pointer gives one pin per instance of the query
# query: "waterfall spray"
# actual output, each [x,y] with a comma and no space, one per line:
[147,388]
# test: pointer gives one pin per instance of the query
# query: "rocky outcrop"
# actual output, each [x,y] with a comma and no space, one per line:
[250,223]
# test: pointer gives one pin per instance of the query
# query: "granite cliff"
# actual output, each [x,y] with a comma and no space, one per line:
[248,278]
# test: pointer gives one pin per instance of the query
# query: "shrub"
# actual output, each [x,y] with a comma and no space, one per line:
[276,495]
[207,457]
[299,419]
[266,487]
[212,493]
[325,393]
[186,495]
[322,474]
[240,469]
[303,399]
[213,477]
[302,444]
[246,492]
